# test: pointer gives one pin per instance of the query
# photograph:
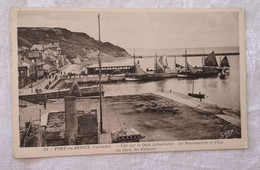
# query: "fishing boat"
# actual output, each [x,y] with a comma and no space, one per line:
[196,95]
[223,73]
[126,134]
[184,72]
[209,67]
[131,79]
[225,64]
[138,73]
[160,72]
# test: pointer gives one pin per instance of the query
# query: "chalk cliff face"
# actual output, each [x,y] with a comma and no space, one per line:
[76,46]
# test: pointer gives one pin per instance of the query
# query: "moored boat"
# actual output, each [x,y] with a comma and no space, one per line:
[200,96]
[131,79]
[196,95]
[225,64]
[126,134]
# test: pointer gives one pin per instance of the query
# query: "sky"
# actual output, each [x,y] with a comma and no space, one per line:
[148,30]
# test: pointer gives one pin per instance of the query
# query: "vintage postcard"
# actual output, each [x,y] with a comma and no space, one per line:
[105,81]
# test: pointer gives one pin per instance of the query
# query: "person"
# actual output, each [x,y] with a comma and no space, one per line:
[44,104]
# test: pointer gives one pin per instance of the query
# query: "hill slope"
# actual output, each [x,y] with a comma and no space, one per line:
[76,46]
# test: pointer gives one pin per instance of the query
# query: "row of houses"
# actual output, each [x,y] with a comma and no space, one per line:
[39,61]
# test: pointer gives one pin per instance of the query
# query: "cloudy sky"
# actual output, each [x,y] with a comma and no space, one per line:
[150,30]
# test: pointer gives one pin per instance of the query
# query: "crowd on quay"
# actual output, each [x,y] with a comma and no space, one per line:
[54,76]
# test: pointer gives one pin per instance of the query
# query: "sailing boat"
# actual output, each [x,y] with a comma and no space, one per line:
[225,64]
[210,64]
[184,73]
[223,73]
[196,95]
[138,73]
[209,67]
[159,66]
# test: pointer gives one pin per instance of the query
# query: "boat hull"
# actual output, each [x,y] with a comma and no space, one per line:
[131,79]
[200,96]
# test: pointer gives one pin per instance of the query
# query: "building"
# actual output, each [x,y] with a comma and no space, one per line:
[34,55]
[71,127]
[37,47]
[26,70]
[54,47]
[111,68]
[38,60]
[39,71]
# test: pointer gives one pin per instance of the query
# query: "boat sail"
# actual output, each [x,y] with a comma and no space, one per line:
[211,60]
[138,74]
[160,64]
[210,66]
[192,69]
[163,61]
[179,66]
[224,62]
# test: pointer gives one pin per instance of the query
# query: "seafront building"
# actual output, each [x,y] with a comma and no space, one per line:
[38,61]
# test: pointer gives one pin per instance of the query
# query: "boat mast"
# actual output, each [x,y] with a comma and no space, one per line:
[134,58]
[99,75]
[203,61]
[220,62]
[134,65]
[155,62]
[186,65]
[193,87]
[202,65]
[174,63]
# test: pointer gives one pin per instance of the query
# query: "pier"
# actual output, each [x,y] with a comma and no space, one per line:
[195,55]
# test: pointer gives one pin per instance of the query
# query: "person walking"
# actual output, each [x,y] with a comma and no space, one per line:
[45,104]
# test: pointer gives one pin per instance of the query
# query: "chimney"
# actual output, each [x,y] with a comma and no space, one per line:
[71,122]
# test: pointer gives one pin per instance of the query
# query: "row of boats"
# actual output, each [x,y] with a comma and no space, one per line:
[162,70]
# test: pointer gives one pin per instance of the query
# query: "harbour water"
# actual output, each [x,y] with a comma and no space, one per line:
[224,93]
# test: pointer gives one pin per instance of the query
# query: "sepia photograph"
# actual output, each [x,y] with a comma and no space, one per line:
[127,80]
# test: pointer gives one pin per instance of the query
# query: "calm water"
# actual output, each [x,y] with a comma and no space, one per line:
[222,92]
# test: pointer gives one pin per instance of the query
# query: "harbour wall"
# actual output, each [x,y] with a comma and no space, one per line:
[57,94]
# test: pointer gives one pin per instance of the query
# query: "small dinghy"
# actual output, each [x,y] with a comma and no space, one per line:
[196,95]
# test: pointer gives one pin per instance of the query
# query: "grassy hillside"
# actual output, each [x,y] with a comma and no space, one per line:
[77,46]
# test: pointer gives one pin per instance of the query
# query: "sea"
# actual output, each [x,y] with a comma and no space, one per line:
[225,93]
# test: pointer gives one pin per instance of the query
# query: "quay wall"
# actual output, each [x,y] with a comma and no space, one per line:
[89,79]
[40,97]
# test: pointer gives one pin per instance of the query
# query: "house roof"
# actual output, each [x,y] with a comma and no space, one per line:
[47,66]
[36,47]
[39,61]
[24,62]
[51,57]
[52,46]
